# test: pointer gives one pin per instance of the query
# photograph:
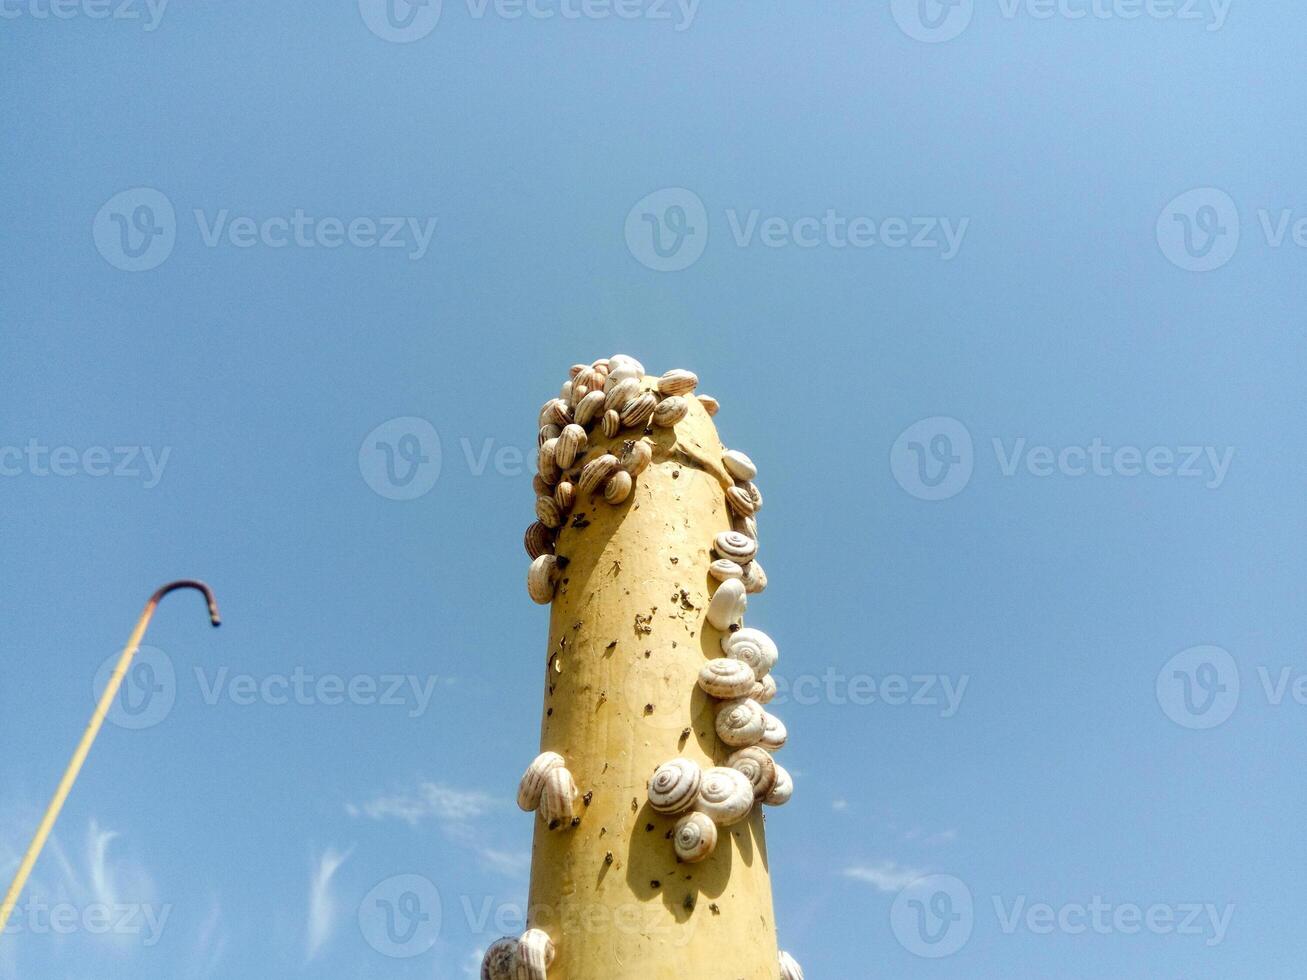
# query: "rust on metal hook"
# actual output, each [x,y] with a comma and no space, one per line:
[188,583]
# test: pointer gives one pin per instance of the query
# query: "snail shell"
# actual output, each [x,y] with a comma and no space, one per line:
[754,494]
[678,382]
[565,497]
[755,579]
[636,456]
[724,568]
[674,786]
[558,798]
[639,410]
[548,432]
[725,795]
[783,789]
[540,579]
[618,487]
[500,960]
[741,722]
[739,465]
[710,404]
[555,412]
[739,500]
[790,970]
[591,378]
[548,464]
[570,442]
[538,541]
[764,690]
[621,366]
[533,780]
[669,411]
[575,369]
[601,364]
[589,407]
[620,394]
[774,733]
[735,545]
[727,679]
[726,607]
[748,526]
[754,647]
[758,766]
[596,472]
[695,837]
[541,488]
[565,392]
[575,394]
[548,512]
[535,955]
[612,423]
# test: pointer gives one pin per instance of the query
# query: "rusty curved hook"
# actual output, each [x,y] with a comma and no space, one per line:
[92,730]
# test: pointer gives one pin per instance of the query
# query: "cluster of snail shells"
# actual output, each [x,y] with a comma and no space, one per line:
[527,957]
[547,786]
[610,394]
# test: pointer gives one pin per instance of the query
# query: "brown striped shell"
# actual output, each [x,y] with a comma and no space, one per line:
[548,512]
[670,411]
[541,578]
[596,473]
[740,502]
[538,540]
[674,786]
[535,955]
[548,432]
[532,785]
[736,546]
[589,408]
[570,442]
[500,961]
[694,837]
[558,798]
[611,424]
[678,382]
[620,394]
[639,410]
[565,496]
[757,764]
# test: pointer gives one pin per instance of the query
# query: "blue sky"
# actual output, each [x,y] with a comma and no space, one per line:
[1005,301]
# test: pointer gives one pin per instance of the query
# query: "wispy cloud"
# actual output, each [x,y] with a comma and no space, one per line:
[430,801]
[322,900]
[885,876]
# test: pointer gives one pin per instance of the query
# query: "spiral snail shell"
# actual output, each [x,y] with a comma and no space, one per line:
[538,540]
[620,394]
[741,722]
[541,578]
[764,690]
[558,798]
[565,498]
[548,432]
[636,456]
[739,465]
[533,780]
[639,410]
[618,487]
[596,472]
[535,955]
[739,500]
[782,790]
[758,766]
[589,407]
[755,579]
[727,605]
[790,969]
[674,786]
[754,647]
[548,512]
[774,732]
[669,411]
[694,837]
[710,404]
[591,378]
[724,568]
[755,495]
[725,795]
[611,424]
[678,382]
[738,547]
[555,412]
[500,960]
[727,679]
[570,442]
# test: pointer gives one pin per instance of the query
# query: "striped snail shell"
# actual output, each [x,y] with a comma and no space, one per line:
[678,382]
[725,795]
[570,442]
[540,579]
[764,690]
[548,464]
[774,732]
[739,465]
[674,786]
[754,647]
[724,568]
[533,780]
[596,472]
[695,837]
[738,547]
[538,540]
[727,605]
[575,369]
[601,364]
[741,722]
[790,969]
[621,366]
[639,410]
[555,412]
[541,488]
[548,432]
[565,498]
[755,579]
[636,456]
[612,423]
[535,955]
[740,502]
[618,487]
[782,790]
[565,392]
[669,411]
[500,961]
[710,404]
[575,394]
[589,408]
[727,679]
[758,766]
[620,394]
[548,512]
[591,378]
[754,494]
[558,798]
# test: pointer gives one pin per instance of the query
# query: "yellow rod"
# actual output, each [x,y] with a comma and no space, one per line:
[88,739]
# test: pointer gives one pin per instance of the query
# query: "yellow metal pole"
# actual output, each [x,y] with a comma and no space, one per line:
[88,739]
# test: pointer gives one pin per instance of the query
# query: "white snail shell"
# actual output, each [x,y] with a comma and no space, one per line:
[755,579]
[533,780]
[724,568]
[589,407]
[727,679]
[601,364]
[695,837]
[739,465]
[783,789]
[612,423]
[548,512]
[674,786]
[570,442]
[754,494]
[636,456]
[758,766]
[538,540]
[774,732]
[500,960]
[596,472]
[738,547]
[558,798]
[790,970]
[669,411]
[622,366]
[618,487]
[535,954]
[739,500]
[620,394]
[754,647]
[727,605]
[741,722]
[575,394]
[710,404]
[639,410]
[548,464]
[565,498]
[540,579]
[764,690]
[548,432]
[678,382]
[725,795]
